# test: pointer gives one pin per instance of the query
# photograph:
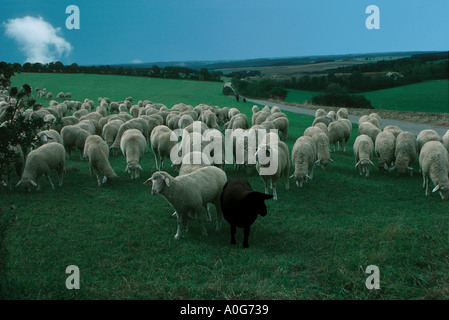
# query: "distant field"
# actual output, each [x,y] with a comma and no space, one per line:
[315,242]
[431,96]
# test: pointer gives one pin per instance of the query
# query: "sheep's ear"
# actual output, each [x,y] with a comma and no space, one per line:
[140,168]
[385,166]
[167,181]
[357,164]
[127,168]
[291,176]
[104,179]
[149,181]
[19,183]
[392,168]
[317,162]
[33,183]
[331,160]
[436,188]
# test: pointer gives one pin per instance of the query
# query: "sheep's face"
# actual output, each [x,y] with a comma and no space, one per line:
[28,184]
[443,191]
[256,202]
[159,182]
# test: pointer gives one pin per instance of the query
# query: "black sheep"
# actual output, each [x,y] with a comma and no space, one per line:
[241,206]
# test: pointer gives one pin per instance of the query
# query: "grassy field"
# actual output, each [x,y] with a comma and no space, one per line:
[315,242]
[431,96]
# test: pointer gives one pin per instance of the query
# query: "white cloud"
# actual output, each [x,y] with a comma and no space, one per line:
[37,39]
[137,61]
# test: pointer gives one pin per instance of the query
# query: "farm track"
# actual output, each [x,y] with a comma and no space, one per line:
[438,125]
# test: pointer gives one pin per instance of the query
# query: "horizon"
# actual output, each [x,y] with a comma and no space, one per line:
[198,30]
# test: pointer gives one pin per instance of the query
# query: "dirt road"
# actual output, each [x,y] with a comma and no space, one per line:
[413,127]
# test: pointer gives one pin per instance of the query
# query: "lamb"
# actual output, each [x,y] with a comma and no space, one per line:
[270,152]
[385,147]
[434,164]
[73,137]
[161,144]
[303,159]
[133,146]
[363,153]
[40,161]
[96,152]
[405,152]
[425,136]
[445,140]
[370,130]
[241,206]
[342,113]
[189,193]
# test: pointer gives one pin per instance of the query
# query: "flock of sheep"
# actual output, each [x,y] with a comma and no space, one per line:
[110,127]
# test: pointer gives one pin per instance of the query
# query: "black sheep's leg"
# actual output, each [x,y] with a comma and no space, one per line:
[233,228]
[246,236]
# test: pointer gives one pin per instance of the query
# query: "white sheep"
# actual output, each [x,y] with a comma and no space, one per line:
[133,146]
[73,137]
[434,164]
[96,151]
[110,131]
[49,136]
[426,136]
[134,123]
[369,129]
[336,134]
[281,124]
[272,162]
[395,130]
[322,149]
[342,113]
[40,161]
[303,159]
[363,153]
[161,144]
[320,112]
[385,149]
[237,121]
[405,152]
[189,193]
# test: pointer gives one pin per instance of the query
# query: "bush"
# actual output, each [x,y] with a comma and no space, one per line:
[227,91]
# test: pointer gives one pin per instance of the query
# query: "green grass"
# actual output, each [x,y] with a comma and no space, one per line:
[430,96]
[315,242]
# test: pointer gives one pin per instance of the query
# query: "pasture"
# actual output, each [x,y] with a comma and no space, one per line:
[429,96]
[314,243]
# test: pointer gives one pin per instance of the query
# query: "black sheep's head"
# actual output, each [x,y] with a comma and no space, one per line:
[255,201]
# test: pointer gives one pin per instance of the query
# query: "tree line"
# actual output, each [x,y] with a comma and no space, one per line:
[154,72]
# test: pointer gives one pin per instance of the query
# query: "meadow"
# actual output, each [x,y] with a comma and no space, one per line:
[429,96]
[314,243]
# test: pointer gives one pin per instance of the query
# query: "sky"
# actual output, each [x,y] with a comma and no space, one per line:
[115,32]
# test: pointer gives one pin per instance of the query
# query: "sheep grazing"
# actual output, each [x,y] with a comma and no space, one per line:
[342,113]
[73,137]
[40,161]
[269,153]
[337,135]
[370,130]
[303,159]
[134,123]
[363,153]
[425,136]
[405,152]
[110,131]
[322,149]
[193,161]
[241,206]
[161,144]
[189,193]
[395,130]
[133,146]
[97,153]
[320,113]
[385,146]
[281,124]
[49,136]
[434,164]
[237,121]
[323,119]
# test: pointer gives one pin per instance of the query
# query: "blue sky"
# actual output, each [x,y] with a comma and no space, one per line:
[113,32]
